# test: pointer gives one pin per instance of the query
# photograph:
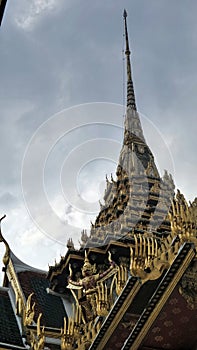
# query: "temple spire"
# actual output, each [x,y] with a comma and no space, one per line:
[130,89]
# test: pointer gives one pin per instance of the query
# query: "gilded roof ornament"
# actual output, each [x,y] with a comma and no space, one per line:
[38,340]
[70,244]
[2,239]
[94,291]
[88,269]
[29,312]
[183,219]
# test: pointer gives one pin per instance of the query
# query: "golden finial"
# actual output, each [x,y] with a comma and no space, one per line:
[29,311]
[87,269]
[2,239]
[70,244]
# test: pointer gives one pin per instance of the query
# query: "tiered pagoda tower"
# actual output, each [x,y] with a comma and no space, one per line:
[132,284]
[139,199]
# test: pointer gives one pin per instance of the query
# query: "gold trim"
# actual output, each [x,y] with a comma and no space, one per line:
[119,315]
[71,256]
[162,301]
[56,334]
[81,258]
[13,279]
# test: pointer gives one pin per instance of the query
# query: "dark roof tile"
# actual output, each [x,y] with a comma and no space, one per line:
[51,307]
[9,331]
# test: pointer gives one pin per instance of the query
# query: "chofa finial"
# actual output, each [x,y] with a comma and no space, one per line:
[3,217]
[2,239]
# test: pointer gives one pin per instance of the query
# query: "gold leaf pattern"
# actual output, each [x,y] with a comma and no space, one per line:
[176,311]
[159,338]
[173,301]
[172,333]
[163,316]
[156,330]
[184,319]
[168,323]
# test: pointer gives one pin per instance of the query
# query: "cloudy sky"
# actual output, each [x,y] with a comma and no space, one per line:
[56,56]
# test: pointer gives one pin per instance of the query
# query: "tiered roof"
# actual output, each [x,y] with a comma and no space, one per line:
[139,199]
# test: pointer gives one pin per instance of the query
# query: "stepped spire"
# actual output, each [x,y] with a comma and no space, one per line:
[132,119]
[130,89]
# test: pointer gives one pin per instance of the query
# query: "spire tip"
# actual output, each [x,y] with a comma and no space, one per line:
[125,14]
[130,89]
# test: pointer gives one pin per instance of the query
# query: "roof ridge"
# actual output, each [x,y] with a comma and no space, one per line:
[20,266]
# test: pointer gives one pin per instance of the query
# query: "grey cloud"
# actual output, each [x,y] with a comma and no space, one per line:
[8,201]
[73,55]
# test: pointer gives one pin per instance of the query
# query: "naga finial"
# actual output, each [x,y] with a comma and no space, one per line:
[2,239]
[3,217]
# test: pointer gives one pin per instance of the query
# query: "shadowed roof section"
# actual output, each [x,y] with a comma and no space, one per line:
[9,331]
[175,327]
[50,306]
[33,280]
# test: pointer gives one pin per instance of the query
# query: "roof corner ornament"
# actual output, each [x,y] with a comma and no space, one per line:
[130,89]
[38,340]
[149,257]
[2,239]
[68,334]
[29,311]
[183,218]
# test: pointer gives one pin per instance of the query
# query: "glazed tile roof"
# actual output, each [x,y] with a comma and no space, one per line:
[9,331]
[50,306]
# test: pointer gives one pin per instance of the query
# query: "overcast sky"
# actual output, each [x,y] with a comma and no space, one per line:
[57,54]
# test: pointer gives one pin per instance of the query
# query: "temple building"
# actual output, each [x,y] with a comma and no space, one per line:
[133,282]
